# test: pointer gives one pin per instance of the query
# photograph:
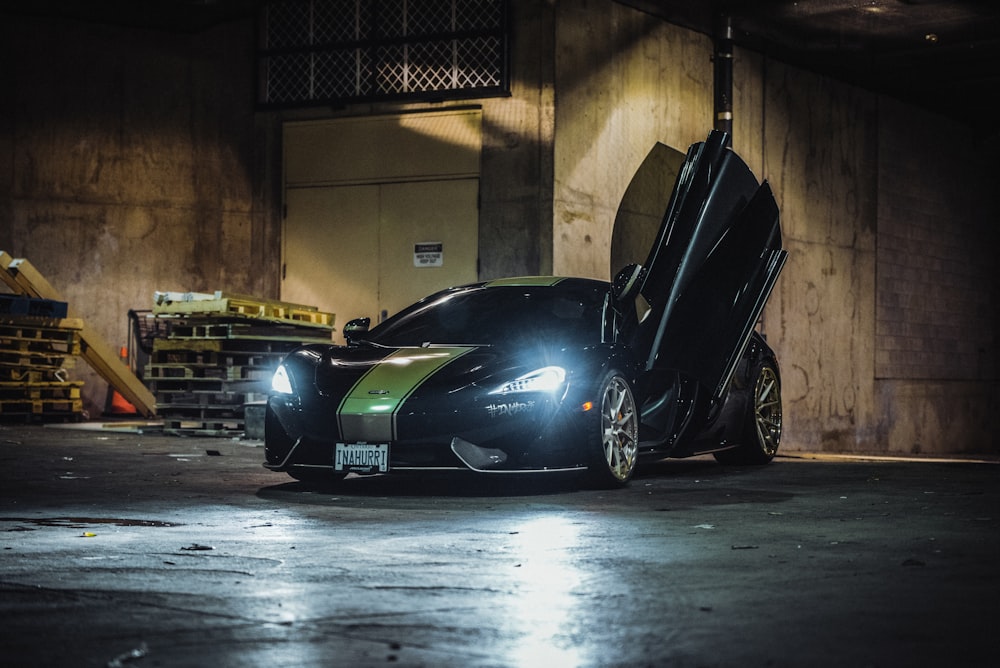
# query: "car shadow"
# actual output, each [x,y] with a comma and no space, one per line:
[458,484]
[676,468]
[466,484]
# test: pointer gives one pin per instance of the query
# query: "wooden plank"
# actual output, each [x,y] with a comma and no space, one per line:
[161,298]
[5,276]
[20,374]
[105,362]
[236,305]
[202,428]
[45,390]
[39,339]
[36,322]
[234,347]
[23,278]
[245,330]
[40,407]
[35,361]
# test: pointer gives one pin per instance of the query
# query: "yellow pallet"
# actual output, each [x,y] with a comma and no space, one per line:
[221,303]
[37,347]
[40,407]
[19,374]
[54,390]
[226,428]
[248,330]
[180,371]
[24,279]
[24,334]
[16,363]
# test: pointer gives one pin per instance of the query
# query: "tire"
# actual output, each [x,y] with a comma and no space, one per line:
[762,421]
[615,442]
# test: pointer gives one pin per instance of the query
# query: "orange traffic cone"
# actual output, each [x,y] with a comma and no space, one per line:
[119,405]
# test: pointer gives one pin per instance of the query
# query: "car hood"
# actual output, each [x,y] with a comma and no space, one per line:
[371,385]
[383,375]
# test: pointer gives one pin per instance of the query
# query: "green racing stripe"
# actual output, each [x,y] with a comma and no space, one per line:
[519,281]
[368,411]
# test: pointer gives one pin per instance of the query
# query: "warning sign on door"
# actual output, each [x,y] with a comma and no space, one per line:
[428,254]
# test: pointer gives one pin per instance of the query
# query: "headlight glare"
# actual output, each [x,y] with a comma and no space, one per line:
[280,382]
[546,379]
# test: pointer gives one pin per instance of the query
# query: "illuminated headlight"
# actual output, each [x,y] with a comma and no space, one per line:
[280,382]
[547,379]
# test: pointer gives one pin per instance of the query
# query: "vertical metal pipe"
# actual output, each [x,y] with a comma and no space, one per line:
[723,60]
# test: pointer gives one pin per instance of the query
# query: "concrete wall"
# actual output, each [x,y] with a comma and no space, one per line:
[829,150]
[643,81]
[515,217]
[819,153]
[624,80]
[132,163]
[886,315]
[937,296]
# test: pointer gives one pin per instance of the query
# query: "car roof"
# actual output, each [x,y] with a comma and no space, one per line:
[544,281]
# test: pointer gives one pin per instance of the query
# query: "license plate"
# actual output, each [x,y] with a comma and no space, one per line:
[361,457]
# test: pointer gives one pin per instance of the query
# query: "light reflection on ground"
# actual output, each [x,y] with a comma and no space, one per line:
[544,609]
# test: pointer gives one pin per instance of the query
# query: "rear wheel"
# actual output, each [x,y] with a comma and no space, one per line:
[615,445]
[762,423]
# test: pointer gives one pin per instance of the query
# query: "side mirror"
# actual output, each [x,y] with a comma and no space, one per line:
[626,283]
[355,327]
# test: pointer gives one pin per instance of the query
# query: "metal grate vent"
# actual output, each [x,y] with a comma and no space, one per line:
[337,51]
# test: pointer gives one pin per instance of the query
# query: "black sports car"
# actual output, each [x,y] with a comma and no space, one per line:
[544,374]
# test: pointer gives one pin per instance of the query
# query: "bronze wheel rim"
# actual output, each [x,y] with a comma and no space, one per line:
[620,429]
[767,410]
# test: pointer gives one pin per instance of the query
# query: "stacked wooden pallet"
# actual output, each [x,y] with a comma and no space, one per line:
[37,345]
[27,282]
[218,355]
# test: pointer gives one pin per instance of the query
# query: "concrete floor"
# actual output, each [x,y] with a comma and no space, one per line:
[123,549]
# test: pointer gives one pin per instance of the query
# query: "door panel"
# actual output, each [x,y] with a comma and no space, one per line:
[378,149]
[712,267]
[412,213]
[711,320]
[349,250]
[331,250]
[360,192]
[643,206]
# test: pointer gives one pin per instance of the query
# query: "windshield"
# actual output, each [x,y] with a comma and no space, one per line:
[558,315]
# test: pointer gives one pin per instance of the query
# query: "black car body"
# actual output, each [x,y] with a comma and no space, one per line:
[542,374]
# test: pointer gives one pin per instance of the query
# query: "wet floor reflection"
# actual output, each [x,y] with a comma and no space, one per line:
[547,581]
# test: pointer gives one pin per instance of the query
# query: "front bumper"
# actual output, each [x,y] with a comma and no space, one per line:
[547,438]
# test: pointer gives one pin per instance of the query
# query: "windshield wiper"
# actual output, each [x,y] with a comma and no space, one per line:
[358,343]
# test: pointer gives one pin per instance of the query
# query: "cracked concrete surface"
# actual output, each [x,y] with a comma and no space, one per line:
[145,550]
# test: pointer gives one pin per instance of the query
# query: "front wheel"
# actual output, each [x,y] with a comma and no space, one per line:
[762,423]
[616,443]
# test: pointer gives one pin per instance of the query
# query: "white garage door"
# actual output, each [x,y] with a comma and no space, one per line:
[379,211]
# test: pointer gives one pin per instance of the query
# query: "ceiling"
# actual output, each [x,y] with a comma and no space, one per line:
[184,16]
[941,55]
